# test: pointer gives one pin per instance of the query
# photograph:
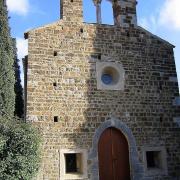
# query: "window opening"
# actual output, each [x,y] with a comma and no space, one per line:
[160,86]
[55,118]
[81,30]
[73,163]
[107,12]
[99,56]
[110,75]
[161,119]
[98,11]
[153,159]
[107,78]
[55,53]
[55,84]
[89,11]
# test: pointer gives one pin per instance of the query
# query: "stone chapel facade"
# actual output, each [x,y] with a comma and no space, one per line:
[105,98]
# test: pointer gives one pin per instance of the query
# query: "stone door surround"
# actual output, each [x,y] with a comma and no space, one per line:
[136,168]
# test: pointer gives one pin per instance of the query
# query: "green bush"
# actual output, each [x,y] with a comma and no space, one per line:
[19,150]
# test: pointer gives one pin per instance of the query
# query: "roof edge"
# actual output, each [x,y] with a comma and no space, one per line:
[41,27]
[151,34]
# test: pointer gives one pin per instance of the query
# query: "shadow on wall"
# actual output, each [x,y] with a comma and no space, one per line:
[133,105]
[99,44]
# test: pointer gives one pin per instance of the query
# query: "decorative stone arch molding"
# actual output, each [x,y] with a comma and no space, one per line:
[137,169]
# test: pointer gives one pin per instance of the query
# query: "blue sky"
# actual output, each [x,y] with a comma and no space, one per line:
[160,17]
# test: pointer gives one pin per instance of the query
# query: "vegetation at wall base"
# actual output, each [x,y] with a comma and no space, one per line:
[19,150]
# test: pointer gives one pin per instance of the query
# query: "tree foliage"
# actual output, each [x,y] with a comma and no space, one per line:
[7,80]
[19,150]
[19,141]
[19,102]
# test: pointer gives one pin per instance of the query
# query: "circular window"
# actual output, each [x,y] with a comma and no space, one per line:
[107,78]
[110,76]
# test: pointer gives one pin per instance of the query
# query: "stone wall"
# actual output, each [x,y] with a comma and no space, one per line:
[71,10]
[61,81]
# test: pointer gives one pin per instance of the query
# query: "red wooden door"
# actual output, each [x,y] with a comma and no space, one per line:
[113,153]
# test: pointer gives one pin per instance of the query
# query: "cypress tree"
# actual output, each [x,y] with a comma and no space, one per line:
[19,103]
[7,80]
[19,141]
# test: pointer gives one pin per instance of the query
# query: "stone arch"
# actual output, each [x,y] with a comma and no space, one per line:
[137,169]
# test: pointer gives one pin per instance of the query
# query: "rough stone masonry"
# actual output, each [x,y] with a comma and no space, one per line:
[81,79]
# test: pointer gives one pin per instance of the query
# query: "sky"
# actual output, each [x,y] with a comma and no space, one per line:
[161,17]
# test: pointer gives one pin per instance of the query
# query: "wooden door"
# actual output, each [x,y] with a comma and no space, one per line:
[113,154]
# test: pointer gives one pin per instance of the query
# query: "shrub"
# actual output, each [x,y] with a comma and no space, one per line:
[19,150]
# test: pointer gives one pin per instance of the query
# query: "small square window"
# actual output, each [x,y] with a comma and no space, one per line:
[55,53]
[55,84]
[81,30]
[155,161]
[55,118]
[73,164]
[99,56]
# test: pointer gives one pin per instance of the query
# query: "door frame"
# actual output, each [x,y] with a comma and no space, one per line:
[136,167]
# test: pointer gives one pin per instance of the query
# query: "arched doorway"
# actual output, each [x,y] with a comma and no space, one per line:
[113,155]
